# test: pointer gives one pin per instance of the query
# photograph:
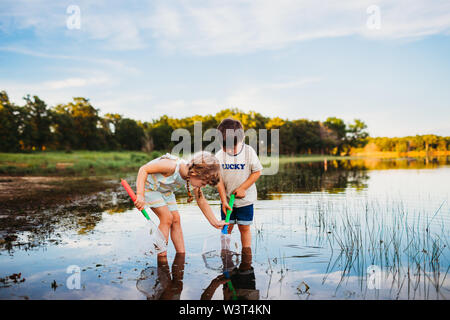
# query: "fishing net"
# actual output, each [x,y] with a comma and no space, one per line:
[157,239]
[220,253]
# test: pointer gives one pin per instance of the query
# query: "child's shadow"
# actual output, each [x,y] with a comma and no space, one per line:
[159,283]
[239,283]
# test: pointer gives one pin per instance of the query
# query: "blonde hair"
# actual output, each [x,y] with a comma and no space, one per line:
[205,166]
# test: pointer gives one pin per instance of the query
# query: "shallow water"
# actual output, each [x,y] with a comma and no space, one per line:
[316,234]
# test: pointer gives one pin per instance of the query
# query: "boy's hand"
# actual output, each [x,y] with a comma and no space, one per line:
[239,192]
[225,207]
[140,202]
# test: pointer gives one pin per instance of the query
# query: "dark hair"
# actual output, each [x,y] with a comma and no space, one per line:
[235,126]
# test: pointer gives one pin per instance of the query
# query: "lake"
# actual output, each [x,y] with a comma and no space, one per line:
[344,229]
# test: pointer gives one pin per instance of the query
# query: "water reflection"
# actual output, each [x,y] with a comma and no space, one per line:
[84,214]
[314,239]
[238,281]
[310,177]
[336,175]
[161,284]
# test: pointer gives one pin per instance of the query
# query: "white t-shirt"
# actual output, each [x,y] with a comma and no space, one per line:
[235,171]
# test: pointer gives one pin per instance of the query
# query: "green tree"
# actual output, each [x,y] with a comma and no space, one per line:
[307,134]
[340,129]
[356,134]
[86,123]
[161,133]
[129,134]
[109,124]
[9,126]
[430,141]
[38,117]
[288,143]
[65,135]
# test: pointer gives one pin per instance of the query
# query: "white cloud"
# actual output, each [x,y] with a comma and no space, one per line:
[57,91]
[291,84]
[271,99]
[220,27]
[74,82]
[235,26]
[267,98]
[183,108]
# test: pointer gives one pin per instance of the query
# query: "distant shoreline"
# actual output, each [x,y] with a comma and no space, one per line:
[393,154]
[120,163]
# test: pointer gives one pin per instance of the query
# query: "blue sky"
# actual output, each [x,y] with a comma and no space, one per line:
[288,58]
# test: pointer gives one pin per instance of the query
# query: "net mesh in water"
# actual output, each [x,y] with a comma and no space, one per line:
[157,239]
[220,252]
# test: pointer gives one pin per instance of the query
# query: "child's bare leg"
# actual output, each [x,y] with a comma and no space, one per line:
[176,233]
[246,261]
[230,228]
[165,222]
[246,235]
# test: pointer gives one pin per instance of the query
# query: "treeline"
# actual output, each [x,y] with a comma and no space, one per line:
[427,143]
[77,125]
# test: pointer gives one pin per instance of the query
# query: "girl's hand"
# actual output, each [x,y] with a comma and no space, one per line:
[221,279]
[225,207]
[220,224]
[140,202]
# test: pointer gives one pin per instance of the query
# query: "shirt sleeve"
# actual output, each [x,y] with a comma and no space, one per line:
[255,164]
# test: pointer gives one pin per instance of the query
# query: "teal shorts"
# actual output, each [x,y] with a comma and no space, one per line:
[156,199]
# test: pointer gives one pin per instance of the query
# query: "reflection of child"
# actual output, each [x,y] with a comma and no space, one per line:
[241,168]
[163,287]
[162,176]
[242,280]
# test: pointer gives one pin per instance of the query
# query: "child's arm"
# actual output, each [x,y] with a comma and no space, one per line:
[223,195]
[240,191]
[211,289]
[164,166]
[207,211]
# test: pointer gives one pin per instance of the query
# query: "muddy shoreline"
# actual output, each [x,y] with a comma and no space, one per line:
[26,193]
[39,205]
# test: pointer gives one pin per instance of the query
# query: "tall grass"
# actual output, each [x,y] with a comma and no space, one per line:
[408,249]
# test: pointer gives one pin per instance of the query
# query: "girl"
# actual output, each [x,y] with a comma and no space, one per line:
[162,176]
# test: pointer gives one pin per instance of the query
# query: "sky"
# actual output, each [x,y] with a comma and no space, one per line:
[385,62]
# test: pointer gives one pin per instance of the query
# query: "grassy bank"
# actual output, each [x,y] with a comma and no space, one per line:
[99,163]
[79,163]
[94,163]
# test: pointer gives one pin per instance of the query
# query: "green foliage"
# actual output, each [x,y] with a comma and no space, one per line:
[129,135]
[9,125]
[155,154]
[77,125]
[139,158]
[418,143]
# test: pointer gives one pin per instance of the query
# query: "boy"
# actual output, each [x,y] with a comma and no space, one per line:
[240,170]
